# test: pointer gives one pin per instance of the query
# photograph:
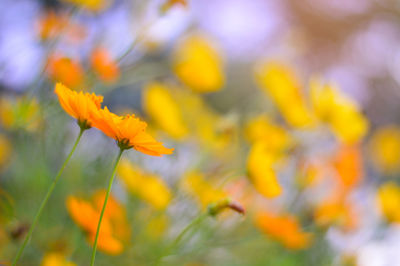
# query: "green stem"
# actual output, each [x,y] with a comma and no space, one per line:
[46,198]
[178,239]
[104,206]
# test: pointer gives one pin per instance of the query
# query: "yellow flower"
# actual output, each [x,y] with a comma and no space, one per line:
[388,197]
[20,113]
[81,106]
[5,151]
[156,226]
[204,192]
[261,128]
[284,228]
[55,259]
[92,5]
[164,110]
[146,186]
[340,112]
[114,229]
[104,66]
[65,70]
[198,65]
[283,87]
[385,149]
[129,132]
[260,163]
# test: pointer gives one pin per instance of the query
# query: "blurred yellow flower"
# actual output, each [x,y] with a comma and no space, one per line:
[20,113]
[204,192]
[260,167]
[198,65]
[104,66]
[337,110]
[129,131]
[261,128]
[92,5]
[55,259]
[65,70]
[156,226]
[385,148]
[281,84]
[114,231]
[5,150]
[160,105]
[388,197]
[81,106]
[284,228]
[213,132]
[148,187]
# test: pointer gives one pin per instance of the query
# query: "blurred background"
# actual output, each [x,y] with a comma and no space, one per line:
[287,109]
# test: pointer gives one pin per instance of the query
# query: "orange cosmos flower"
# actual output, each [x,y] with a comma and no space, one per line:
[114,229]
[65,70]
[104,66]
[82,106]
[129,132]
[285,229]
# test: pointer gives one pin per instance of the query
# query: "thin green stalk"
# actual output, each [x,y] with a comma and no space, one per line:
[46,198]
[196,221]
[104,206]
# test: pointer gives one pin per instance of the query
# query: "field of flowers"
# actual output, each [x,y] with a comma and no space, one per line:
[199,132]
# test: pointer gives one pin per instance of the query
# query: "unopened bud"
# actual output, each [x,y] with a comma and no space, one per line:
[217,207]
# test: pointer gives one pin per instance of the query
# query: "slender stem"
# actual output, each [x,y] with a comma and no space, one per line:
[104,206]
[178,239]
[46,198]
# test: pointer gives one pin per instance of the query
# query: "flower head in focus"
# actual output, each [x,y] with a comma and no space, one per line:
[82,106]
[146,186]
[198,65]
[104,66]
[284,228]
[385,149]
[129,132]
[115,230]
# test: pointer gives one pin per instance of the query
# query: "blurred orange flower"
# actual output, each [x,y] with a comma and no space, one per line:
[104,66]
[284,228]
[129,132]
[82,106]
[50,24]
[170,3]
[114,231]
[336,211]
[65,70]
[348,164]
